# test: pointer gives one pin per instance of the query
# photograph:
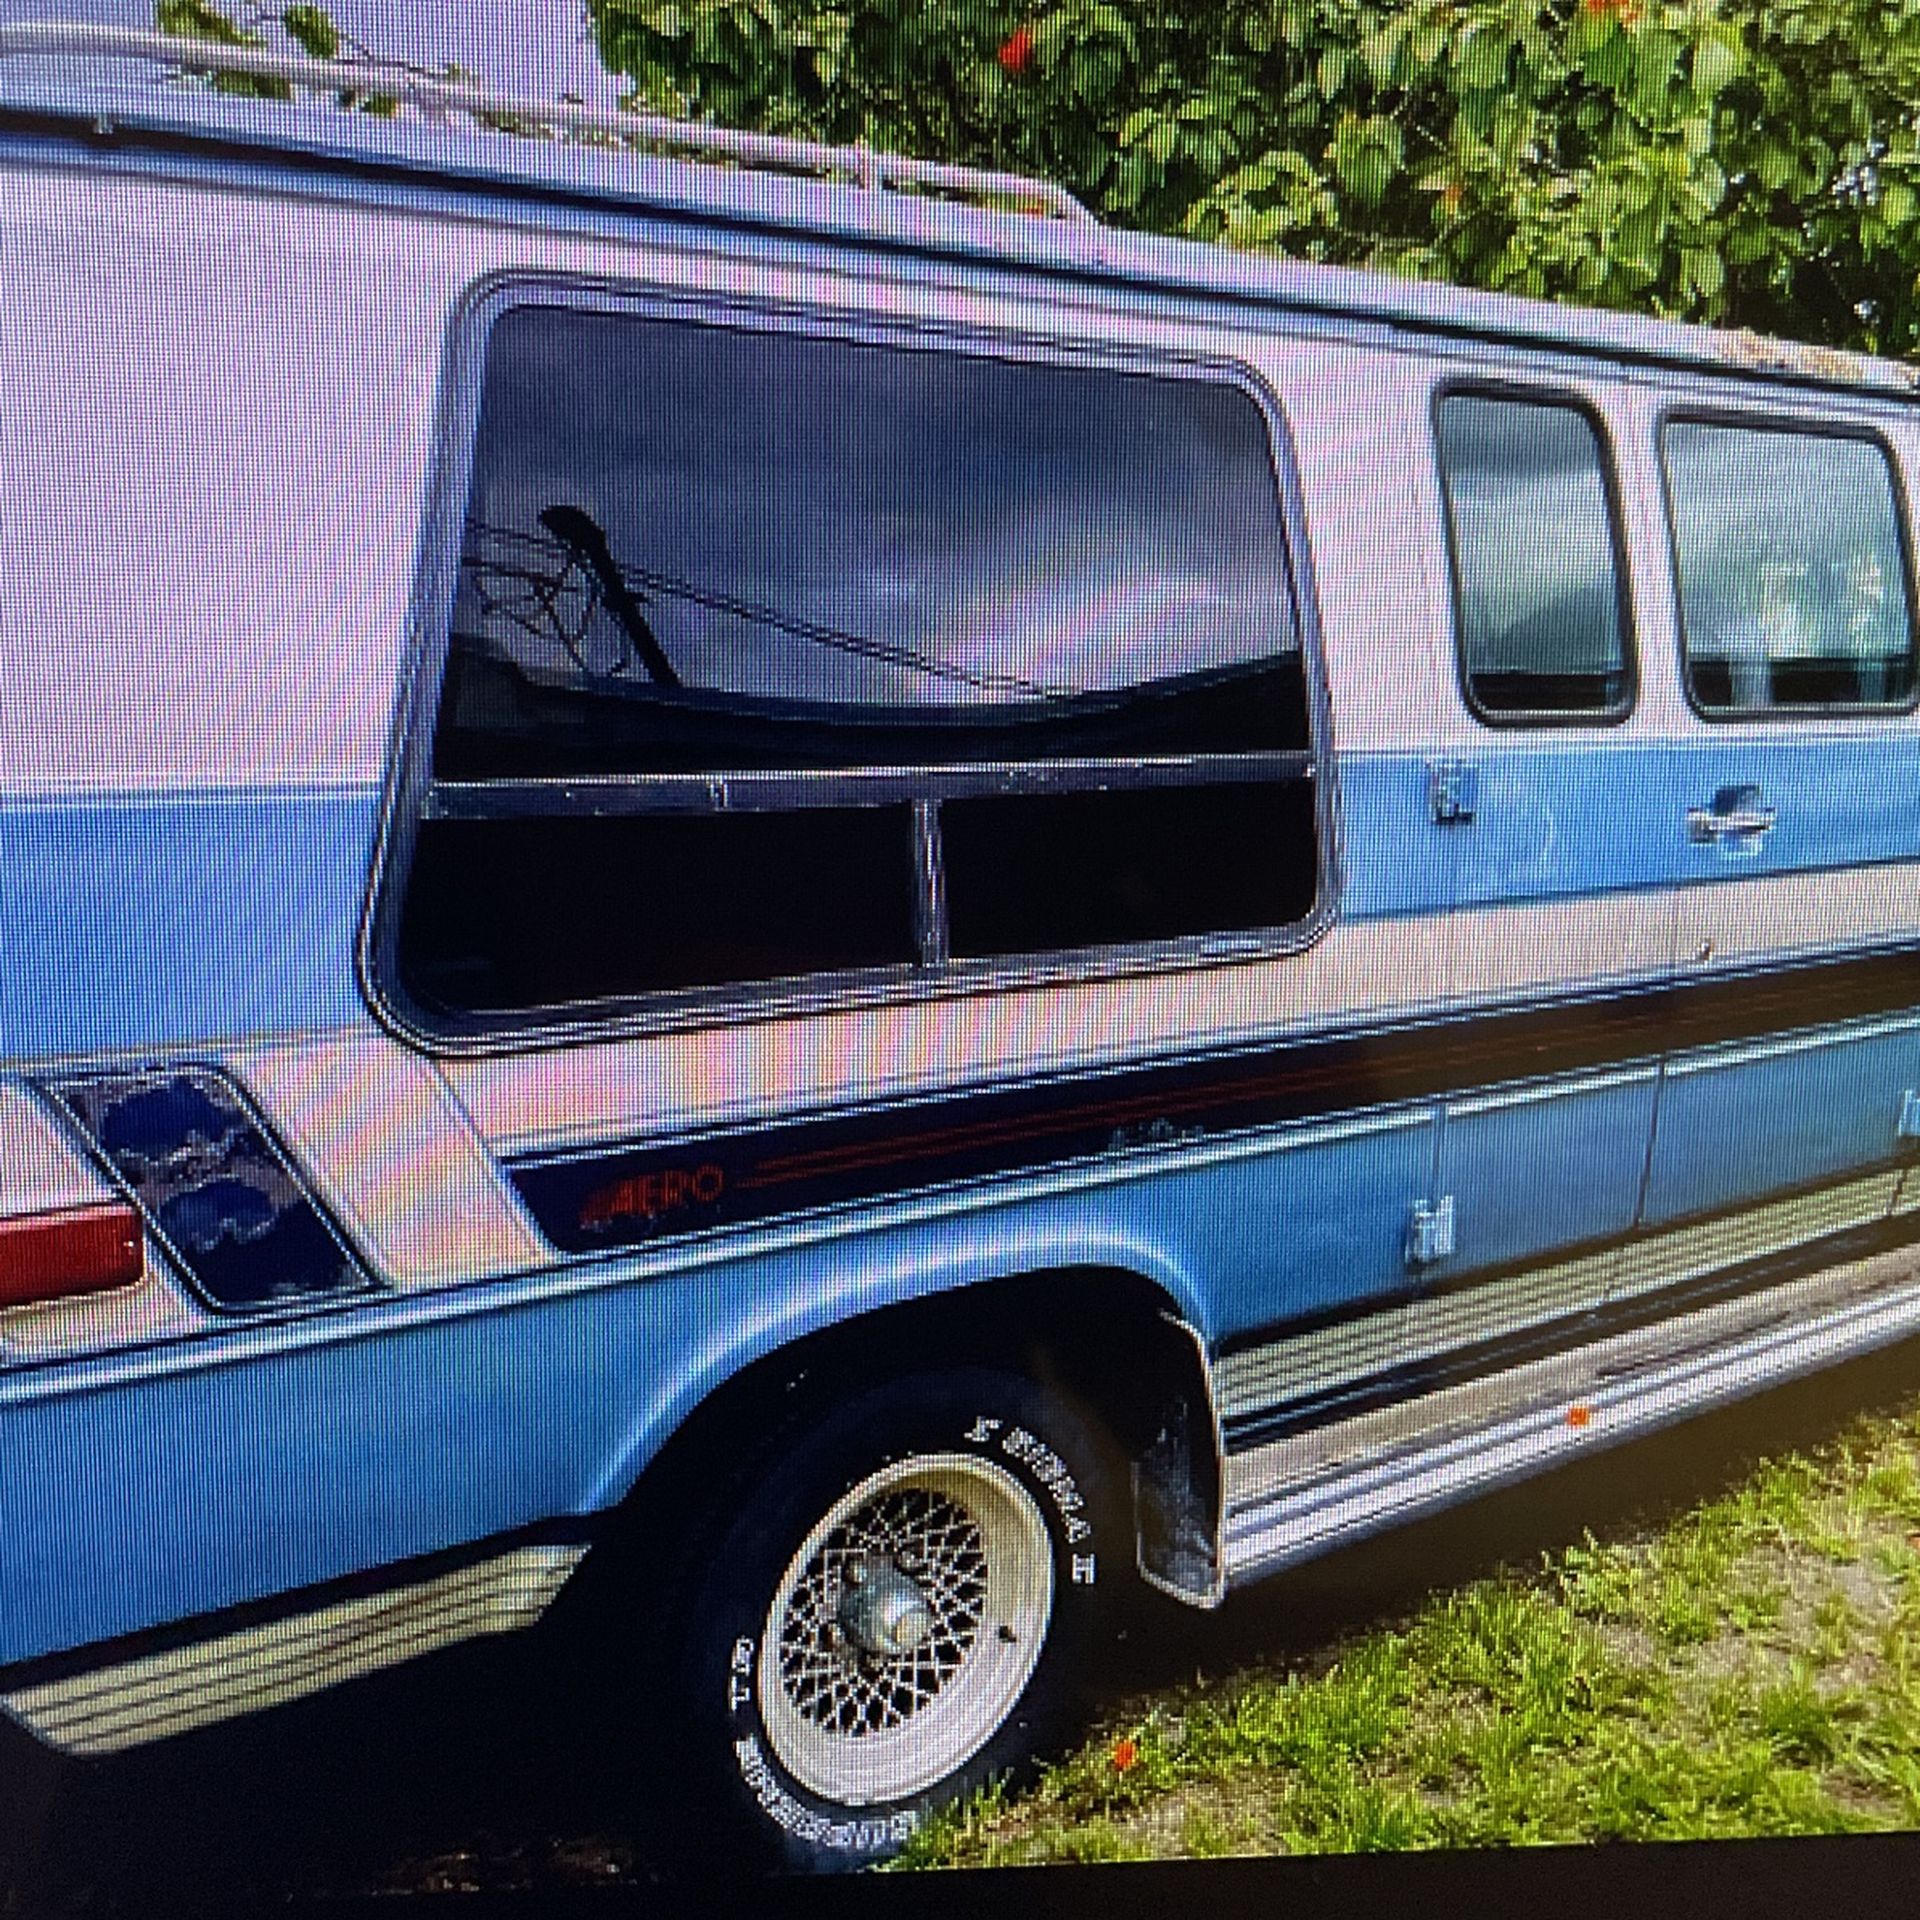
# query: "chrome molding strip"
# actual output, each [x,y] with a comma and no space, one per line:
[109,1708]
[1299,1497]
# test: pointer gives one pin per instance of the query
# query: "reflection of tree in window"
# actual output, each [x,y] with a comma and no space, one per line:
[1792,584]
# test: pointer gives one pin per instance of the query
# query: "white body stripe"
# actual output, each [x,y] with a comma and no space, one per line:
[1388,968]
[392,1152]
[157,640]
[761,1069]
[109,1708]
[40,1171]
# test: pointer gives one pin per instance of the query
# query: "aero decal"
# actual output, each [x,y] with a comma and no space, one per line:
[106,1708]
[845,1157]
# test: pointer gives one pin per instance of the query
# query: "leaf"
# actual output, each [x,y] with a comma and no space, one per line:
[1716,64]
[1366,154]
[1331,71]
[313,28]
[1380,50]
[1656,54]
[197,20]
[1703,270]
[1482,58]
[1772,165]
[1427,45]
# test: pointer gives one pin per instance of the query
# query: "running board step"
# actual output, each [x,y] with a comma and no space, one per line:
[1312,1492]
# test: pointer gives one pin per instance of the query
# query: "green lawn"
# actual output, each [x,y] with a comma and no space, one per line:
[1751,1668]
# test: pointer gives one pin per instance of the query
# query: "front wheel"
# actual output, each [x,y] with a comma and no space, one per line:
[902,1607]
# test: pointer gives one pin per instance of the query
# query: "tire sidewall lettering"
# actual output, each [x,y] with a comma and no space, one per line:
[1055,1481]
[863,1835]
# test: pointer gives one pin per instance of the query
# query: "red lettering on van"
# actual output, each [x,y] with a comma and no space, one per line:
[646,1196]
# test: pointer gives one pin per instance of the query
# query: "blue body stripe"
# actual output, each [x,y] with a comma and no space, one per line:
[421,1425]
[169,920]
[172,921]
[1576,817]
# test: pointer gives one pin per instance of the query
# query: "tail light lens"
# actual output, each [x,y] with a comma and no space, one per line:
[79,1250]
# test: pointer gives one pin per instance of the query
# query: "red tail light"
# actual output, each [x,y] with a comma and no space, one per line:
[55,1256]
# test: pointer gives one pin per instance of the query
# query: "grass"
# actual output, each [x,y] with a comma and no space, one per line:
[1751,1668]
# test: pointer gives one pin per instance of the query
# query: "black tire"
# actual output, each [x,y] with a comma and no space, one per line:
[814,1748]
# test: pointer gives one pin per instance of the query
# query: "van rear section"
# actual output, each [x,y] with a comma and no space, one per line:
[863,918]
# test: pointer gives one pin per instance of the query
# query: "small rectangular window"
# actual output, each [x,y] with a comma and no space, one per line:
[776,653]
[1792,568]
[1536,564]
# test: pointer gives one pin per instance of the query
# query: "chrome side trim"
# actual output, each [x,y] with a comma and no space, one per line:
[109,1708]
[1300,1497]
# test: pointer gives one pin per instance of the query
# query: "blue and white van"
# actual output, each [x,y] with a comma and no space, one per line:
[876,915]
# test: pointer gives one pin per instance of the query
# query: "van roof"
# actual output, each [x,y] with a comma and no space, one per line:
[66,86]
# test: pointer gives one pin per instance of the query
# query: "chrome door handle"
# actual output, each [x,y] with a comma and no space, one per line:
[1737,813]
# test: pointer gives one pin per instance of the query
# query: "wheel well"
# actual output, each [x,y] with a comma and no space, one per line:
[1108,1341]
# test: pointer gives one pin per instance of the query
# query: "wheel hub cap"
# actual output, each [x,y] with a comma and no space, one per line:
[905,1628]
[881,1611]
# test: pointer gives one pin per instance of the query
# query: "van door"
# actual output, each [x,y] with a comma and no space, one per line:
[1558,944]
[1796,1047]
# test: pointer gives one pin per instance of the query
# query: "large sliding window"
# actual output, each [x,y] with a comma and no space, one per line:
[777,655]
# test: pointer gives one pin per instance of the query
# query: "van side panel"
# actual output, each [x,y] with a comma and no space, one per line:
[192,826]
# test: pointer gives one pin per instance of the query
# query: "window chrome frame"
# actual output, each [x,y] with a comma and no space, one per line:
[413,796]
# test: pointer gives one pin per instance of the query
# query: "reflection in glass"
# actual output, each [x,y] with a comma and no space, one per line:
[777,655]
[1793,589]
[1536,575]
[761,549]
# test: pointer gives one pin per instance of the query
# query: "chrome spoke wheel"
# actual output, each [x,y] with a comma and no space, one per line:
[905,1629]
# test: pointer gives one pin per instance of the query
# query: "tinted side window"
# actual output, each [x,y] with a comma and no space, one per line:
[1536,566]
[777,654]
[1792,569]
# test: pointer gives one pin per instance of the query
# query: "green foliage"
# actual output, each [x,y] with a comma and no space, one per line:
[1747,162]
[311,29]
[1723,1675]
[198,20]
[1723,160]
